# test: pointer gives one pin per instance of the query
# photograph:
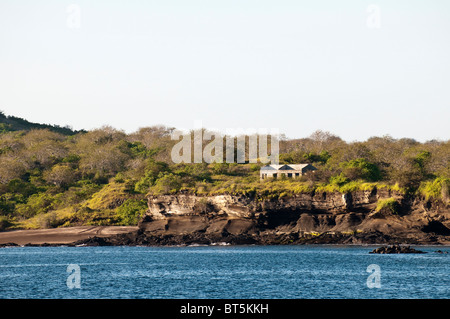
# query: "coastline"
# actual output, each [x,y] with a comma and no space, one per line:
[133,236]
[60,236]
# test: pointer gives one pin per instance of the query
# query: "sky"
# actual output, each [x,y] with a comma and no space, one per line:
[355,68]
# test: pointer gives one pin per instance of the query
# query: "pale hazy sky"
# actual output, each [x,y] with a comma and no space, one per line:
[297,65]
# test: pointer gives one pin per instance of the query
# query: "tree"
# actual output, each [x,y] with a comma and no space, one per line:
[100,152]
[157,139]
[60,175]
[323,140]
[10,143]
[11,168]
[43,147]
[153,170]
[167,183]
[361,169]
[103,161]
[322,158]
[421,161]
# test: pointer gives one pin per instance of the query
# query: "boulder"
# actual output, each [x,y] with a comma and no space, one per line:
[396,249]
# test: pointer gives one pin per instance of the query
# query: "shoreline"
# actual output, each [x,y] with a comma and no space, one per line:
[63,236]
[133,236]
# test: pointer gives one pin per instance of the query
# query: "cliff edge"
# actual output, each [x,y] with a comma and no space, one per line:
[377,216]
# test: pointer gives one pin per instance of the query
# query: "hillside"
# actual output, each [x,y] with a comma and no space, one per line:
[106,177]
[12,123]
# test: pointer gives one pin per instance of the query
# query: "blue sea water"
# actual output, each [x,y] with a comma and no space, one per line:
[273,272]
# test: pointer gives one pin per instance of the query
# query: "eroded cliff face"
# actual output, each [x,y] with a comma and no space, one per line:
[314,217]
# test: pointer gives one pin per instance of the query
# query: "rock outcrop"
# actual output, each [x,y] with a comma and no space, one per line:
[349,218]
[396,249]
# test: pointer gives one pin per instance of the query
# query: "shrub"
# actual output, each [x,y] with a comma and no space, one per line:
[87,216]
[83,189]
[10,169]
[71,158]
[220,168]
[436,189]
[37,204]
[323,157]
[131,211]
[361,169]
[421,159]
[5,128]
[48,220]
[167,183]
[119,178]
[60,175]
[338,180]
[4,223]
[110,196]
[196,172]
[390,204]
[153,170]
[18,186]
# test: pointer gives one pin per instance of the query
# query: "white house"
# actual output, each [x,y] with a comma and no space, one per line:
[288,170]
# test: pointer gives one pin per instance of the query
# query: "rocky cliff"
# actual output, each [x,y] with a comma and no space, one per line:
[305,218]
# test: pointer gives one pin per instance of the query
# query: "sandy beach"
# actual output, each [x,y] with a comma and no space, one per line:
[61,235]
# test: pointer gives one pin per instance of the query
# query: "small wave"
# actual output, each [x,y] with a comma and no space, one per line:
[197,245]
[222,243]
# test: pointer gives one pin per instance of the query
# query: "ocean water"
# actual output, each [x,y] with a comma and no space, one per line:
[270,272]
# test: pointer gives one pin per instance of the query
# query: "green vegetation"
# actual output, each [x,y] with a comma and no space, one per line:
[50,178]
[389,204]
[437,188]
[131,211]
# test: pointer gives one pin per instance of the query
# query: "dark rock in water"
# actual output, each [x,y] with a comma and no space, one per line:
[93,241]
[31,245]
[144,238]
[147,239]
[8,245]
[441,252]
[396,249]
